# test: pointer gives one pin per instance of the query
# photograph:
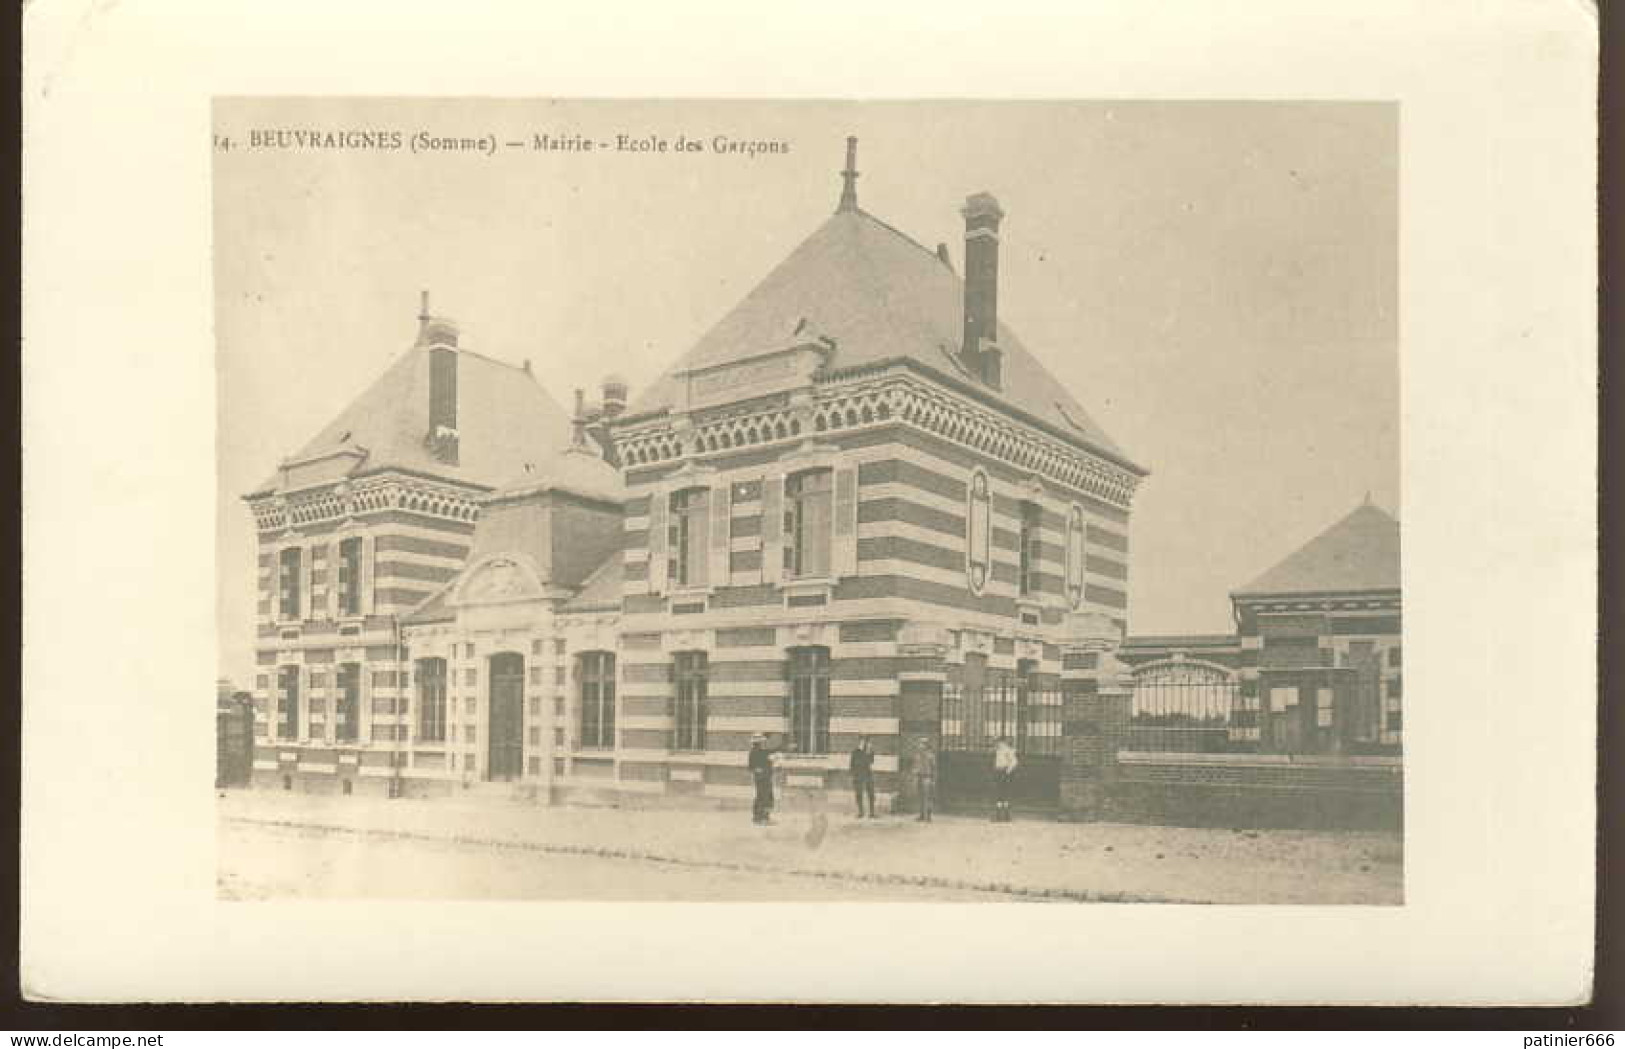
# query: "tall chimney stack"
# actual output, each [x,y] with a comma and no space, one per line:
[980,352]
[439,336]
[613,396]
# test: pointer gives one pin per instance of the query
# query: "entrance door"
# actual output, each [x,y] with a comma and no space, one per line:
[506,733]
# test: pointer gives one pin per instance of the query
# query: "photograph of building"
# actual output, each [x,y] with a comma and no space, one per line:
[859,509]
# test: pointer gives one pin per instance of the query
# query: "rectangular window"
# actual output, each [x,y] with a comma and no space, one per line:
[347,707]
[287,703]
[690,728]
[470,677]
[809,700]
[1030,518]
[1324,708]
[687,531]
[596,671]
[808,513]
[432,700]
[1394,656]
[289,581]
[349,582]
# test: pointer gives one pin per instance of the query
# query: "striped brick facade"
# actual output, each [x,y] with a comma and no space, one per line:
[823,486]
[413,537]
[897,573]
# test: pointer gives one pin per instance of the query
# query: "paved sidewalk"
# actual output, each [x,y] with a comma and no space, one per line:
[1025,859]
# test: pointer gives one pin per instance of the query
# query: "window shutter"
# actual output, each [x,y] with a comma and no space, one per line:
[773,529]
[844,556]
[368,548]
[721,535]
[659,501]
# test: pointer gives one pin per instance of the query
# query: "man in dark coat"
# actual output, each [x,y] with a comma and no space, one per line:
[761,774]
[863,775]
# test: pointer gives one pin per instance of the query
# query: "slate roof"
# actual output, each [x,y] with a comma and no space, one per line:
[879,295]
[1358,553]
[504,420]
[601,589]
[573,469]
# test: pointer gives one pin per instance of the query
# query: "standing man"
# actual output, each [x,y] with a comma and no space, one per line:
[1004,774]
[761,773]
[925,777]
[863,775]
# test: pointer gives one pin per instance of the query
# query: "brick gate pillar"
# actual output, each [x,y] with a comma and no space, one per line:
[924,650]
[1097,689]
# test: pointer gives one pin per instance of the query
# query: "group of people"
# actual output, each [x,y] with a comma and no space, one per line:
[922,767]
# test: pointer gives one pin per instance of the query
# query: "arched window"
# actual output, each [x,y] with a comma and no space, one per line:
[432,700]
[808,514]
[687,530]
[978,531]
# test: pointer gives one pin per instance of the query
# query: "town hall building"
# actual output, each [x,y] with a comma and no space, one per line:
[857,501]
[858,506]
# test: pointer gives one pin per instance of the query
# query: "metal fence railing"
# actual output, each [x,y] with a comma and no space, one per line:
[1190,710]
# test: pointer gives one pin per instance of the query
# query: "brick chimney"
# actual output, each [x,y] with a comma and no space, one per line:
[980,352]
[439,335]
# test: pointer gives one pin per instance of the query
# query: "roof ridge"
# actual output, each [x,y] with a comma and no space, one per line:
[883,224]
[490,359]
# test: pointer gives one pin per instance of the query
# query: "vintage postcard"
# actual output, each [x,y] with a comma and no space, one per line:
[1131,525]
[818,574]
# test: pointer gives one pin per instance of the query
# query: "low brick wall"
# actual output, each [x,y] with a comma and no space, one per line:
[1257,792]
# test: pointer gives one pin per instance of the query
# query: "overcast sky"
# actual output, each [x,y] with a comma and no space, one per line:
[1215,282]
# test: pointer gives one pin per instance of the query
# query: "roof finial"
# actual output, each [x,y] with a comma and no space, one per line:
[849,177]
[1368,497]
[423,314]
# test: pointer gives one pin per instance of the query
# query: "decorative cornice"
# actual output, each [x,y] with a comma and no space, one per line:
[348,501]
[885,398]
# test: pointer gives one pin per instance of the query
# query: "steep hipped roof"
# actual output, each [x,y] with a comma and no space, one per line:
[1360,552]
[504,420]
[878,295]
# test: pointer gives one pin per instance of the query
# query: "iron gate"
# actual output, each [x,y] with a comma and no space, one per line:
[1189,708]
[975,717]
